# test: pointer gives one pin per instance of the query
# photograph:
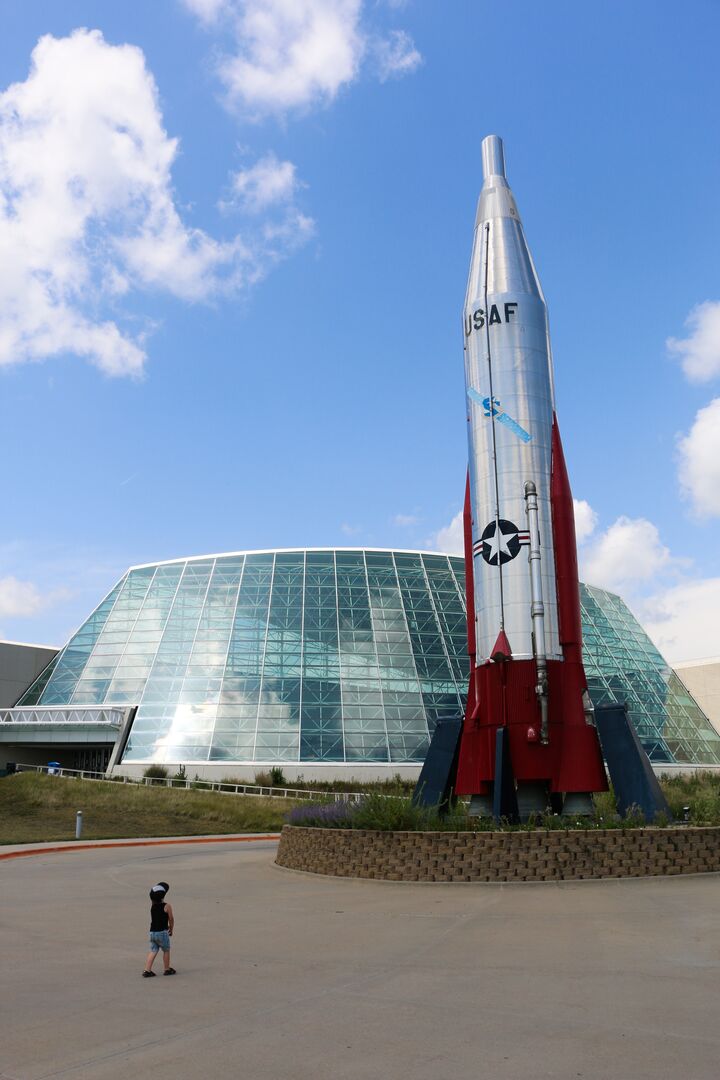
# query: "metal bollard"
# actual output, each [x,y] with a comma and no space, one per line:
[78,825]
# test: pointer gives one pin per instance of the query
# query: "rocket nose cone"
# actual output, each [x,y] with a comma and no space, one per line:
[496,199]
[493,157]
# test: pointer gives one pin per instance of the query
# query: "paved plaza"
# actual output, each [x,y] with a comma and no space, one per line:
[284,976]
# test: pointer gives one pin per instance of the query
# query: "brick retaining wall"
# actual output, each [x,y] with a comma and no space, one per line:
[500,856]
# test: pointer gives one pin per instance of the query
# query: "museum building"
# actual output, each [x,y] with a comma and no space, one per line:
[328,662]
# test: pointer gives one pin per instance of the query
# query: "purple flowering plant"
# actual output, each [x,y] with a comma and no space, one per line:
[329,815]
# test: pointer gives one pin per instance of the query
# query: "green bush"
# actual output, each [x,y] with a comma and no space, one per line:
[274,778]
[704,809]
[605,805]
[156,773]
[701,793]
[400,814]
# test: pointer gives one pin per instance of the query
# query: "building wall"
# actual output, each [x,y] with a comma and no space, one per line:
[702,679]
[328,657]
[94,757]
[295,774]
[19,666]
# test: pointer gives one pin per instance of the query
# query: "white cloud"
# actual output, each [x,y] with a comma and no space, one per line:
[293,54]
[286,233]
[206,10]
[678,612]
[450,539]
[700,350]
[699,468]
[19,598]
[625,555]
[266,183]
[396,55]
[350,530]
[683,620]
[405,520]
[585,519]
[87,210]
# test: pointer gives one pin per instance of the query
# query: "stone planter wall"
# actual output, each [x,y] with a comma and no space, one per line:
[500,856]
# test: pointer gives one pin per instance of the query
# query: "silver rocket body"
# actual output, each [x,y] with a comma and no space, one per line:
[510,402]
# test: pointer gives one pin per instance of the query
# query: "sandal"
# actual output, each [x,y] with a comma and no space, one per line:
[148,974]
[170,971]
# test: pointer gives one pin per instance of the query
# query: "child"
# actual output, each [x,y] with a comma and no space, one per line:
[161,928]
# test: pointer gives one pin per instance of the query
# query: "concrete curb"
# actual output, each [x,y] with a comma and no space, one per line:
[92,846]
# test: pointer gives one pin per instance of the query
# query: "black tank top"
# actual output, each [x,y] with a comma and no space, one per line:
[158,917]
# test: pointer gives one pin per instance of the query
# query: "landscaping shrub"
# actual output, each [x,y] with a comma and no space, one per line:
[383,813]
[701,793]
[156,773]
[331,815]
[391,813]
[605,805]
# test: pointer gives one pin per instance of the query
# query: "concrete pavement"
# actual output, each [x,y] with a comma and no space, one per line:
[283,976]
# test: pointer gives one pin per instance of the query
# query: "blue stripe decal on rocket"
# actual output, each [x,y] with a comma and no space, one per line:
[499,414]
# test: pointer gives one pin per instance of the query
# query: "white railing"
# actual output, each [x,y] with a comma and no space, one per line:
[93,716]
[203,785]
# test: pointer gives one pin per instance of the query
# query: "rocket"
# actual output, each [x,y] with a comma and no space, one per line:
[523,599]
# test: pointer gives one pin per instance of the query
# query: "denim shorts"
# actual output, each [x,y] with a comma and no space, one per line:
[159,939]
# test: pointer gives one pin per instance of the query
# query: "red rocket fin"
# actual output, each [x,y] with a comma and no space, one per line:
[469,573]
[501,649]
[566,568]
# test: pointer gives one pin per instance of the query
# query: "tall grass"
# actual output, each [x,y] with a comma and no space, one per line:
[701,793]
[394,785]
[34,807]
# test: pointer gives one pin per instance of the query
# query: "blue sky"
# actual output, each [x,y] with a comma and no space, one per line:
[234,237]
